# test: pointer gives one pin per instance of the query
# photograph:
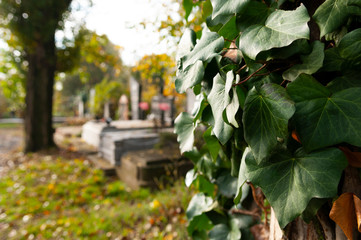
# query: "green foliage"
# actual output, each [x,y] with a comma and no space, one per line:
[13,83]
[275,101]
[106,91]
[94,59]
[289,182]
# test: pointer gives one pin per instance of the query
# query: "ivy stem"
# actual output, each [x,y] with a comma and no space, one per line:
[246,212]
[239,70]
[264,209]
[250,76]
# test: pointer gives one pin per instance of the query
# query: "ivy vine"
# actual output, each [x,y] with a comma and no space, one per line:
[278,96]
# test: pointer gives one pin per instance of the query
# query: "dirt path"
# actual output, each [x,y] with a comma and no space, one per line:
[11,140]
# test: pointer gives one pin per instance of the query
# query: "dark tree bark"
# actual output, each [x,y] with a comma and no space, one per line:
[39,97]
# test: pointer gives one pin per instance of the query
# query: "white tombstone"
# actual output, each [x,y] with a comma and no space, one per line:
[134,98]
[123,107]
[106,110]
[92,99]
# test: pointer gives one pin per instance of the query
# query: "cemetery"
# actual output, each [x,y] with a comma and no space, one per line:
[166,120]
[127,146]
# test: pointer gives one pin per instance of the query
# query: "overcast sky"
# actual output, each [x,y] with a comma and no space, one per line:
[120,19]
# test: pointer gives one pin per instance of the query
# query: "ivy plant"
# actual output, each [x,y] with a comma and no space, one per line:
[278,97]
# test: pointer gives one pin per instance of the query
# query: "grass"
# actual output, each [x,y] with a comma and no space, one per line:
[10,125]
[49,197]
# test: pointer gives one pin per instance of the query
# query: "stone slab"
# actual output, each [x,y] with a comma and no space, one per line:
[92,131]
[113,145]
[149,168]
[105,166]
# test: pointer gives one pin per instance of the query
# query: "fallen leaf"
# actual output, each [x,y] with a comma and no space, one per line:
[346,212]
[46,212]
[357,202]
[354,158]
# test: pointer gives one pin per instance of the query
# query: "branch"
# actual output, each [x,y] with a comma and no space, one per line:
[264,209]
[239,70]
[246,212]
[252,75]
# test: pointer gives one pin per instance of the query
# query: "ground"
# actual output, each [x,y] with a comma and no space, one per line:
[59,195]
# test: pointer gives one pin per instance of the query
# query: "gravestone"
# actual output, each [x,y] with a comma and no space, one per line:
[149,168]
[134,97]
[92,131]
[106,110]
[113,145]
[162,109]
[91,101]
[123,107]
[80,102]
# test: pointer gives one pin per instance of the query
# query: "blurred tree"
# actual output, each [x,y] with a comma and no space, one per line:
[107,92]
[99,61]
[33,24]
[156,73]
[3,103]
[12,80]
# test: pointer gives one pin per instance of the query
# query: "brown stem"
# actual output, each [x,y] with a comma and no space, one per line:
[246,212]
[243,67]
[259,204]
[252,75]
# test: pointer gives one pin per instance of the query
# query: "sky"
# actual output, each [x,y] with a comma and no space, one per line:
[120,21]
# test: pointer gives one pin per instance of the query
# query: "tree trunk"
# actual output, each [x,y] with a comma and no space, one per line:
[39,96]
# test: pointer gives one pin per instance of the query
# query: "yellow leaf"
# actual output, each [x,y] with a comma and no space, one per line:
[51,186]
[155,204]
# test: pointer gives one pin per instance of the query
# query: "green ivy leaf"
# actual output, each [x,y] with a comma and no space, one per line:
[254,13]
[190,177]
[241,178]
[322,118]
[350,80]
[231,7]
[290,182]
[199,105]
[206,166]
[199,223]
[310,63]
[186,44]
[346,55]
[227,185]
[189,77]
[225,232]
[280,30]
[265,119]
[212,143]
[188,6]
[184,128]
[207,48]
[229,30]
[236,156]
[219,100]
[334,13]
[198,205]
[233,105]
[204,185]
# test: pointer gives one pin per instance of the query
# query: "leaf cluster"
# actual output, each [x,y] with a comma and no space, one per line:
[277,96]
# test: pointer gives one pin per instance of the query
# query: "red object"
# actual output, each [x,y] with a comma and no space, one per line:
[144,105]
[164,106]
